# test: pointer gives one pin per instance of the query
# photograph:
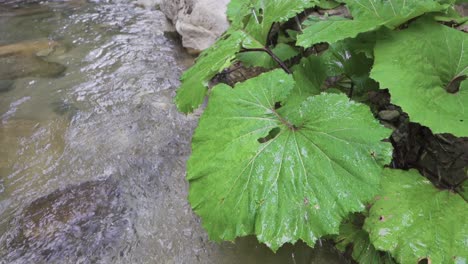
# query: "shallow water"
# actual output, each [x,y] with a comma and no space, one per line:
[92,159]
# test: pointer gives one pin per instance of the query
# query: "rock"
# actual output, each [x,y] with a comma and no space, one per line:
[337,11]
[64,108]
[23,59]
[19,67]
[389,115]
[9,8]
[13,10]
[6,85]
[388,125]
[81,222]
[199,22]
[28,48]
[149,4]
[463,27]
[462,9]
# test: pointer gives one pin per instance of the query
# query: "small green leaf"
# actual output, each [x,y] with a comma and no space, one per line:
[342,60]
[282,177]
[368,15]
[191,93]
[353,236]
[425,67]
[237,10]
[265,13]
[450,15]
[309,75]
[414,221]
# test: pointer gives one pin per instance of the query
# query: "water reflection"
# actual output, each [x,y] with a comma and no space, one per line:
[92,157]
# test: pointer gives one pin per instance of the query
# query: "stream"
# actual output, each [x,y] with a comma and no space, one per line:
[92,149]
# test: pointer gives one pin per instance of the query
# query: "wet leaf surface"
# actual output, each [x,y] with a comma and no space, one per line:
[413,220]
[295,183]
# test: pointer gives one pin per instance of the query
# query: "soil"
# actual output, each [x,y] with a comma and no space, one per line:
[442,158]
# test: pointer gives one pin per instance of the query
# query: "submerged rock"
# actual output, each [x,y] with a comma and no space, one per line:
[79,224]
[28,48]
[199,22]
[18,8]
[14,8]
[63,108]
[18,67]
[6,85]
[25,59]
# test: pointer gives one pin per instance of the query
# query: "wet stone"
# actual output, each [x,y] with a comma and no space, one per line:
[79,224]
[26,59]
[389,115]
[6,85]
[14,67]
[63,108]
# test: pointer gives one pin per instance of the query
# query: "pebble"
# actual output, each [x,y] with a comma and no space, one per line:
[389,115]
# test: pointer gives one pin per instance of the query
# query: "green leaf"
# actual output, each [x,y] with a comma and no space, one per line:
[343,60]
[237,10]
[282,177]
[353,236]
[262,59]
[418,65]
[413,220]
[391,13]
[265,13]
[450,15]
[191,93]
[347,60]
[327,4]
[309,74]
[332,30]
[463,189]
[368,15]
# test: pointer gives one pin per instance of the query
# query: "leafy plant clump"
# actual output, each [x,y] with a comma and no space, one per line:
[296,153]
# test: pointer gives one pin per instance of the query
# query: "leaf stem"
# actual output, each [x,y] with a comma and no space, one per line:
[284,121]
[272,55]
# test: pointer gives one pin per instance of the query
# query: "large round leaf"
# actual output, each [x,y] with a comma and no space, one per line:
[413,220]
[425,68]
[282,177]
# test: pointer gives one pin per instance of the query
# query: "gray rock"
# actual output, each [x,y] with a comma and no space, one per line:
[21,59]
[15,67]
[79,222]
[462,9]
[199,22]
[6,85]
[149,4]
[389,115]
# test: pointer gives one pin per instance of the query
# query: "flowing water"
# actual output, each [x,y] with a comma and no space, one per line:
[92,150]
